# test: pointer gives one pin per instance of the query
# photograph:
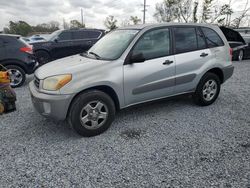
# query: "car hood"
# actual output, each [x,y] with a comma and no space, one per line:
[68,65]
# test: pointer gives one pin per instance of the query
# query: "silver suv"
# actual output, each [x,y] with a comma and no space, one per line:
[129,66]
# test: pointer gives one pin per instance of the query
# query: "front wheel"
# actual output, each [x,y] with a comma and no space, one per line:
[91,113]
[17,75]
[207,90]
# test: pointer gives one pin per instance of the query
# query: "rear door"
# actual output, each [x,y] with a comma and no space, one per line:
[2,50]
[191,54]
[153,78]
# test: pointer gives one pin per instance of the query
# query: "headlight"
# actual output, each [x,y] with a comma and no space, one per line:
[54,83]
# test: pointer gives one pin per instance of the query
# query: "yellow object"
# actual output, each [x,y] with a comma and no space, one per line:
[4,77]
[56,82]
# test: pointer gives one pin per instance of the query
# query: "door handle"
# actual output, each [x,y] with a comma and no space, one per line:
[203,54]
[167,62]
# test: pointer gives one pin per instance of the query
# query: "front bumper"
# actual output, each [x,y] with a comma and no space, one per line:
[52,106]
[228,72]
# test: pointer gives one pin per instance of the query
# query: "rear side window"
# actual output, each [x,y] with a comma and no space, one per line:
[79,35]
[185,39]
[212,38]
[154,44]
[94,34]
[65,36]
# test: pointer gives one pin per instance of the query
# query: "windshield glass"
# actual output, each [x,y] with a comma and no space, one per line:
[53,35]
[111,46]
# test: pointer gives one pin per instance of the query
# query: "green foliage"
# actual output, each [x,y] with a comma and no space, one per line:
[135,20]
[19,28]
[167,11]
[195,19]
[76,24]
[24,29]
[110,23]
[206,10]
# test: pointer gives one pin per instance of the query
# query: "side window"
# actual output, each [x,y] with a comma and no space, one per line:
[1,43]
[79,35]
[185,39]
[65,36]
[212,38]
[94,34]
[154,44]
[200,40]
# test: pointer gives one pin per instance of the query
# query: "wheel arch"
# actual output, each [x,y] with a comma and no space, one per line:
[104,88]
[218,72]
[14,62]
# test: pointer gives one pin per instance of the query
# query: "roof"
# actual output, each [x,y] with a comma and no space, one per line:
[10,35]
[143,26]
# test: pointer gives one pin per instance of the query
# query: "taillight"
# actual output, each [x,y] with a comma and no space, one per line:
[27,49]
[231,53]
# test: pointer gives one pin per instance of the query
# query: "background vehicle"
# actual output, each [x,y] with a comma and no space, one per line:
[129,66]
[36,38]
[64,43]
[17,56]
[236,42]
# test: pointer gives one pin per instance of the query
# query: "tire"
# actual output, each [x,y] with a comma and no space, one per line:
[43,57]
[17,75]
[207,90]
[91,107]
[240,55]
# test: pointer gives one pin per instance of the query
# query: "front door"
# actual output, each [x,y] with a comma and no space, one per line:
[153,78]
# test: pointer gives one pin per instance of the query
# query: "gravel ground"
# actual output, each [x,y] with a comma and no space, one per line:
[171,143]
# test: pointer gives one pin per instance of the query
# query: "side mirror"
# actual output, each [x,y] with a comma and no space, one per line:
[137,58]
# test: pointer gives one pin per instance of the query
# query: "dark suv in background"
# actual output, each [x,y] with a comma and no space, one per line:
[64,43]
[17,56]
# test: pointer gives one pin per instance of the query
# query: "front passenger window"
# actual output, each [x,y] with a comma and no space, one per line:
[154,44]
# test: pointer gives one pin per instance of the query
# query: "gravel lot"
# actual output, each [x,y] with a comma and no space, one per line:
[171,143]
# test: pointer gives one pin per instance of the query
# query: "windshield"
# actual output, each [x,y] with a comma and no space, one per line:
[111,46]
[53,35]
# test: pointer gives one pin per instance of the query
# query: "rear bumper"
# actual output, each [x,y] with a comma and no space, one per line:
[51,106]
[31,66]
[228,72]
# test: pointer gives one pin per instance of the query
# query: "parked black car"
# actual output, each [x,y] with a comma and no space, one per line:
[236,42]
[17,56]
[64,43]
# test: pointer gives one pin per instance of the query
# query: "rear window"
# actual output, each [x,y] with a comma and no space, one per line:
[212,38]
[185,39]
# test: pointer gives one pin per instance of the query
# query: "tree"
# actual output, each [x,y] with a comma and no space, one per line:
[222,15]
[19,28]
[135,20]
[195,19]
[76,24]
[167,11]
[110,23]
[237,21]
[185,10]
[206,11]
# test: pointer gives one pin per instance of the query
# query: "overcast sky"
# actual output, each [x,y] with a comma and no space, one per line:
[95,11]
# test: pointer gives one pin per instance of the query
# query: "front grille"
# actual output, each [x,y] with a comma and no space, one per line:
[37,82]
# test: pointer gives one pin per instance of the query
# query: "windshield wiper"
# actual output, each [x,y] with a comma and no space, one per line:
[96,55]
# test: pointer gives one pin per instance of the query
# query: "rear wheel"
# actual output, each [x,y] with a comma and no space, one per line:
[240,55]
[207,90]
[91,113]
[17,75]
[43,57]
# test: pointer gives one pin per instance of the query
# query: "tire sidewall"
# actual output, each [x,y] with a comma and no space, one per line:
[82,100]
[199,91]
[43,54]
